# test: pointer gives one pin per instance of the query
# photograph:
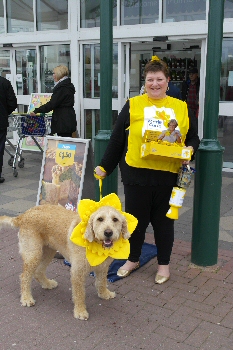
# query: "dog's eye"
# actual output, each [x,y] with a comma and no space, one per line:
[100,219]
[115,219]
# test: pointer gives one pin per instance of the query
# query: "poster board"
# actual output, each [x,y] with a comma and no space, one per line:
[36,100]
[66,172]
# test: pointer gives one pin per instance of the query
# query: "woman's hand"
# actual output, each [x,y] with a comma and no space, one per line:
[99,172]
[32,114]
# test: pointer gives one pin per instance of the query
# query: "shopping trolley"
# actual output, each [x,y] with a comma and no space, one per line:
[26,125]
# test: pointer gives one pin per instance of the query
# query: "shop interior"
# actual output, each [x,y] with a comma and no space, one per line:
[179,56]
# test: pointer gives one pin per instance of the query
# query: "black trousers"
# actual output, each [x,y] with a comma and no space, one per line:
[3,134]
[149,204]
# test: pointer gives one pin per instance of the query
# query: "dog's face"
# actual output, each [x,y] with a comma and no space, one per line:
[105,226]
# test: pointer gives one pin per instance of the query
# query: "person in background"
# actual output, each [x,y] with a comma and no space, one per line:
[148,183]
[8,103]
[63,121]
[173,90]
[190,91]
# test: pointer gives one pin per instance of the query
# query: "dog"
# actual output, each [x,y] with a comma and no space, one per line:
[46,229]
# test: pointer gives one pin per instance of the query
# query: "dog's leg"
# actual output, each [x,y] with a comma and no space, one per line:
[101,272]
[40,273]
[31,255]
[78,278]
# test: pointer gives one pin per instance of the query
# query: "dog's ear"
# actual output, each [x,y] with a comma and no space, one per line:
[89,233]
[124,230]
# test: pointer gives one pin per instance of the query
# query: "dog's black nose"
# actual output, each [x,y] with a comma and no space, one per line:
[108,233]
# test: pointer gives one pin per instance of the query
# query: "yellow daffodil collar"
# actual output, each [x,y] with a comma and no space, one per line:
[95,253]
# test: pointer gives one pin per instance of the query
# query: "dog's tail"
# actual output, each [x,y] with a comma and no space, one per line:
[6,221]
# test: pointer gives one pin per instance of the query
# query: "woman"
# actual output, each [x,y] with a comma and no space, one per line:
[171,134]
[148,183]
[61,103]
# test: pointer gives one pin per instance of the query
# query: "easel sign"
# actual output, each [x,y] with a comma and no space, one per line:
[36,100]
[66,172]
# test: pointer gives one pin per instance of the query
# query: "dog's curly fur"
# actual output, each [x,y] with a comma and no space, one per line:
[45,229]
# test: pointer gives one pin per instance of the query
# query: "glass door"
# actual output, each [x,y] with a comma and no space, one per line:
[19,66]
[26,71]
[90,85]
[5,67]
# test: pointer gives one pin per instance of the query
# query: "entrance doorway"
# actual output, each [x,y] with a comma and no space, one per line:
[179,56]
[19,66]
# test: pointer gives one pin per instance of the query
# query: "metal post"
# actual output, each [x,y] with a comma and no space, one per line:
[106,52]
[208,178]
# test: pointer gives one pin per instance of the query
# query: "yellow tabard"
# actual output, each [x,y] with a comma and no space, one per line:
[149,114]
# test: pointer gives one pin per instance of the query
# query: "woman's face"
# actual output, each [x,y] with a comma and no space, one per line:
[172,126]
[156,85]
[55,77]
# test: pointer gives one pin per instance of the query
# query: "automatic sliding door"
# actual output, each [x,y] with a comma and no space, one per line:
[26,71]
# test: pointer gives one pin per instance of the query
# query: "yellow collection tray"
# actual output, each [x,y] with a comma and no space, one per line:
[152,149]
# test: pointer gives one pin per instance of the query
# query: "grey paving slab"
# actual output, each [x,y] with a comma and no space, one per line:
[18,205]
[20,192]
[5,199]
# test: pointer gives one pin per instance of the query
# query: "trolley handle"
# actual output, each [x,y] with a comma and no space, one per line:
[17,114]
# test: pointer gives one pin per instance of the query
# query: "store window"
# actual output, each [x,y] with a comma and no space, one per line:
[226,81]
[92,122]
[1,17]
[51,57]
[5,70]
[92,71]
[184,10]
[139,11]
[90,13]
[19,16]
[52,14]
[225,123]
[228,9]
[26,72]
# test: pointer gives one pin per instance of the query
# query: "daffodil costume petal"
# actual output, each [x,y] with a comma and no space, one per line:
[131,222]
[95,253]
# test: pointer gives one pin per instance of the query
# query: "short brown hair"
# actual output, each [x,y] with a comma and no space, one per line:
[61,71]
[156,66]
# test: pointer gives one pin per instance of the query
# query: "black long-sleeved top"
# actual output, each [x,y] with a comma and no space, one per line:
[117,148]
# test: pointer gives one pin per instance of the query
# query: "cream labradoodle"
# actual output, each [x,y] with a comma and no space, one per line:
[45,229]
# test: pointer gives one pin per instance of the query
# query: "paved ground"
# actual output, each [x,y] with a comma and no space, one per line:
[193,310]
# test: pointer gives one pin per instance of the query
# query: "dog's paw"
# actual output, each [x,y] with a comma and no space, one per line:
[81,315]
[107,295]
[27,302]
[50,284]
